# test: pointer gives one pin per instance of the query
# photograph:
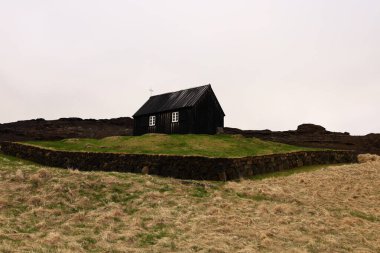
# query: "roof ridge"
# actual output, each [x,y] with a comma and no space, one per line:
[173,100]
[197,87]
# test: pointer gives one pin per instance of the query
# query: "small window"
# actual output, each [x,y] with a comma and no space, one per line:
[152,120]
[175,116]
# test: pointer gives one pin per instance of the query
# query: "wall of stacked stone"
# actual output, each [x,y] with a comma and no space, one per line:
[183,167]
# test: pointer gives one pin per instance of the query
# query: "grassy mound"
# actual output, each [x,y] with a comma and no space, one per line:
[203,145]
[329,209]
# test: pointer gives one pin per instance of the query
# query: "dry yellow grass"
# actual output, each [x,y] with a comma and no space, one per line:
[334,209]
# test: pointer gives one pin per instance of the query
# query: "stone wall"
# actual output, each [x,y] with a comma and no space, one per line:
[183,167]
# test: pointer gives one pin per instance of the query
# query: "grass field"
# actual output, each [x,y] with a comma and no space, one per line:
[203,145]
[315,209]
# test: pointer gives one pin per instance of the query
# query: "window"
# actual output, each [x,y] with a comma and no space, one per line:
[175,116]
[152,120]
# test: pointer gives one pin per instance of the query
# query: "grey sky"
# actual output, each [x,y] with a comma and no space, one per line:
[272,64]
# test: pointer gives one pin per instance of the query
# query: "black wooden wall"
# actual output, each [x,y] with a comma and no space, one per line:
[207,115]
[203,118]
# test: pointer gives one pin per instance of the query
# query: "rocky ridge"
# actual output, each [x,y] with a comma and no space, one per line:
[41,129]
[310,135]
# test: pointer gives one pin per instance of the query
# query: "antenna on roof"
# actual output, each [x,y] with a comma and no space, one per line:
[151,91]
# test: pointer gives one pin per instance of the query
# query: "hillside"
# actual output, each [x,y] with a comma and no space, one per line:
[332,209]
[191,144]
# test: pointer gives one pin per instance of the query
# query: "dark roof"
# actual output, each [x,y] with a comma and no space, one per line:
[172,101]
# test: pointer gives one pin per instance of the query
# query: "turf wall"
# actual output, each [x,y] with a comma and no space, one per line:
[183,167]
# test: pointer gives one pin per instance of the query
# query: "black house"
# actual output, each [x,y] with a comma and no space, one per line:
[194,110]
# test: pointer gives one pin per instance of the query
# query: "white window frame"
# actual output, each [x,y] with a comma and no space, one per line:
[175,117]
[152,120]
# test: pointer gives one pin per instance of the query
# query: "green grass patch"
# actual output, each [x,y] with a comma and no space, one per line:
[11,162]
[200,192]
[256,197]
[165,188]
[364,216]
[150,238]
[190,144]
[88,243]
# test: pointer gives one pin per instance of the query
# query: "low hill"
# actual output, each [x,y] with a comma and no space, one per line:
[190,144]
[329,209]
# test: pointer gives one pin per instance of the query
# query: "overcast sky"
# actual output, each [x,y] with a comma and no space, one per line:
[272,64]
